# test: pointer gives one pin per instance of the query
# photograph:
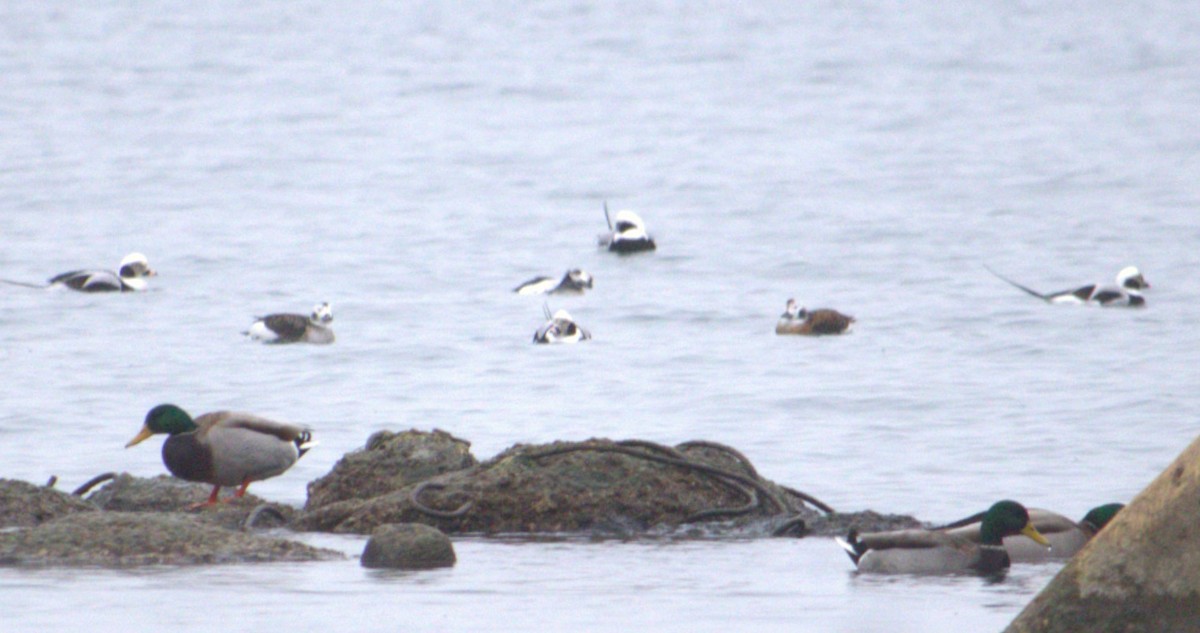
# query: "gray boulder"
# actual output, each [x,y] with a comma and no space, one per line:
[130,539]
[1140,573]
[23,504]
[408,546]
[390,462]
[126,493]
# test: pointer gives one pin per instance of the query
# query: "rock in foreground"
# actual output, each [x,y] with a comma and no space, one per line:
[130,539]
[408,546]
[1140,573]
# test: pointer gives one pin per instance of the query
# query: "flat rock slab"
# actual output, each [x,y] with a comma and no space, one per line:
[132,539]
[23,504]
[408,546]
[126,493]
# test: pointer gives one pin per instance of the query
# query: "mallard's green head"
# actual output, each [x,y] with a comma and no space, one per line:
[1008,518]
[165,418]
[1099,517]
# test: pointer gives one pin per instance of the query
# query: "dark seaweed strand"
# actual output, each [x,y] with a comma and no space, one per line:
[749,493]
[415,498]
[50,482]
[804,496]
[258,511]
[731,451]
[92,483]
[785,528]
[704,468]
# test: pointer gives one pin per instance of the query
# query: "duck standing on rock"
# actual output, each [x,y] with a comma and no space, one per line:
[295,328]
[224,448]
[575,281]
[797,320]
[937,552]
[627,234]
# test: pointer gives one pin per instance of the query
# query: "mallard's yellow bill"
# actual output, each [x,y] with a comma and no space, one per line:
[1032,533]
[142,435]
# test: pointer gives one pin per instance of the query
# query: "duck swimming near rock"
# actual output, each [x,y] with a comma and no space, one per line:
[1122,295]
[295,328]
[1065,536]
[560,328]
[224,448]
[627,234]
[797,320]
[574,281]
[131,275]
[938,552]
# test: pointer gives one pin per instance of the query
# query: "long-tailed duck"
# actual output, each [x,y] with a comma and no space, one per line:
[797,320]
[294,328]
[575,281]
[560,328]
[1122,295]
[130,276]
[627,234]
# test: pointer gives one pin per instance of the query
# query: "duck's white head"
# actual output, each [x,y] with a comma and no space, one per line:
[580,278]
[629,225]
[1131,278]
[561,315]
[322,313]
[793,309]
[134,269]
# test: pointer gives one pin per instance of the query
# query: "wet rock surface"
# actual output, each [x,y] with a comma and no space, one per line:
[23,504]
[408,546]
[1140,573]
[130,539]
[598,486]
[126,493]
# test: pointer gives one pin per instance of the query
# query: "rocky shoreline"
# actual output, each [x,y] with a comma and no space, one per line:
[596,488]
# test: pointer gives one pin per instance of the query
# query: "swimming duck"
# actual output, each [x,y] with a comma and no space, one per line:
[575,281]
[627,234]
[224,448]
[1123,294]
[130,276]
[797,320]
[1065,536]
[559,328]
[294,328]
[937,552]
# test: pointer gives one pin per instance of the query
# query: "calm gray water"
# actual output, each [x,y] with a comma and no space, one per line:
[412,163]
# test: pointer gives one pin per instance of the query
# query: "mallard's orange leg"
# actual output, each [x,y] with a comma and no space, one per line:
[212,500]
[241,491]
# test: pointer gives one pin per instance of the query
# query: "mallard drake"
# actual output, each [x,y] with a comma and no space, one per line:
[224,448]
[1122,295]
[627,234]
[560,328]
[131,275]
[1065,536]
[294,328]
[934,552]
[797,320]
[575,281]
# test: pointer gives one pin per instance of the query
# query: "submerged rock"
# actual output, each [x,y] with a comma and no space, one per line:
[129,539]
[23,504]
[390,462]
[408,546]
[577,487]
[1140,573]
